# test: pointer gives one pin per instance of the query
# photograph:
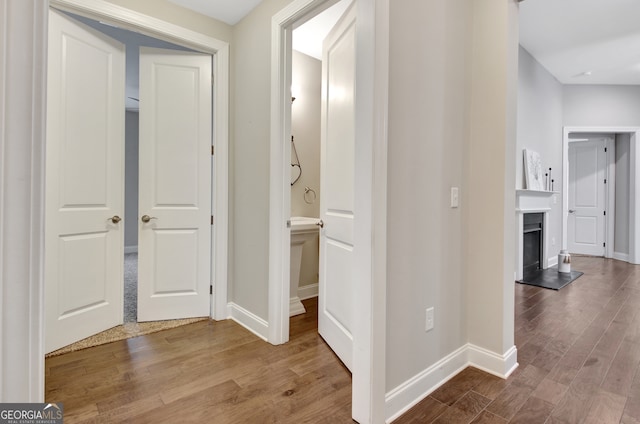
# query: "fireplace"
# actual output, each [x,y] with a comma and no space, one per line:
[532,242]
[535,206]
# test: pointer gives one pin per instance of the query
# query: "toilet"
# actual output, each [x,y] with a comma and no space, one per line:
[303,229]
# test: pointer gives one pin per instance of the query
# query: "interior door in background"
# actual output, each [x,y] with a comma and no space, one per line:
[84,182]
[336,291]
[174,226]
[587,197]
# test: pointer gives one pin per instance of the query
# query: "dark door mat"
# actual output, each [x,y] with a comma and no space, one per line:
[550,278]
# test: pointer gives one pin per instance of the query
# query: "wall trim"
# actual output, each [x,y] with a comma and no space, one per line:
[248,320]
[499,365]
[138,22]
[411,392]
[23,63]
[552,261]
[308,291]
[621,256]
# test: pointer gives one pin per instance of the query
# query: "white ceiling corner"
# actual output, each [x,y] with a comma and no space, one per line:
[228,11]
[573,38]
[308,37]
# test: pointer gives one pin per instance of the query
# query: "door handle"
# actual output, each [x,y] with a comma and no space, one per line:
[115,219]
[320,224]
[147,218]
[572,211]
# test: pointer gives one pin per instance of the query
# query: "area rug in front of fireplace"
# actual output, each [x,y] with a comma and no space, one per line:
[550,278]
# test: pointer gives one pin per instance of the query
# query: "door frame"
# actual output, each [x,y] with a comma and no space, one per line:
[372,67]
[634,181]
[153,27]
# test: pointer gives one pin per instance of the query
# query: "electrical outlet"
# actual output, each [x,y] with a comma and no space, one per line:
[553,241]
[555,199]
[429,320]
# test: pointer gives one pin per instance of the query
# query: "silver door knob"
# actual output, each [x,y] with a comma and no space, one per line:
[147,218]
[320,224]
[115,219]
[572,211]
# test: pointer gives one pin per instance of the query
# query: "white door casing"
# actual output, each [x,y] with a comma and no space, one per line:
[587,197]
[84,183]
[174,272]
[336,290]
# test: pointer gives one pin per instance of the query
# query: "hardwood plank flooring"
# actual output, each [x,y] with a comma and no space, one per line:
[208,371]
[579,356]
[578,350]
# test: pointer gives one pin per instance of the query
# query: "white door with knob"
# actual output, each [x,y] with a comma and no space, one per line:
[174,237]
[336,291]
[587,202]
[84,183]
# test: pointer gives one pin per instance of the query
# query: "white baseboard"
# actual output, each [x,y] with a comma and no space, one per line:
[308,291]
[552,261]
[408,394]
[621,256]
[493,363]
[296,307]
[248,320]
[411,392]
[130,249]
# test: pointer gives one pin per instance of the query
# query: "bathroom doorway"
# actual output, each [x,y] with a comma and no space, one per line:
[305,149]
[306,84]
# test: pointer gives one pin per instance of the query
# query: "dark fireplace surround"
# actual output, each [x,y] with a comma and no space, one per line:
[532,243]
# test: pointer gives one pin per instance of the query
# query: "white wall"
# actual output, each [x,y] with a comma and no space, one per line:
[601,105]
[249,158]
[623,155]
[306,77]
[490,190]
[427,131]
[540,129]
[451,124]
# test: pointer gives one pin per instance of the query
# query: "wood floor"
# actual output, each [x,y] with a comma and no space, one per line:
[207,372]
[578,349]
[579,356]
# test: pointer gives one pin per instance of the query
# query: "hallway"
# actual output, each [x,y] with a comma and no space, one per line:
[204,372]
[578,349]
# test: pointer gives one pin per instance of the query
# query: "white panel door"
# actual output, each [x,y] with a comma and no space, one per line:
[84,182]
[587,203]
[174,237]
[336,297]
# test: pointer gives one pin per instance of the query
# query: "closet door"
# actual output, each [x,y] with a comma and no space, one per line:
[84,182]
[174,236]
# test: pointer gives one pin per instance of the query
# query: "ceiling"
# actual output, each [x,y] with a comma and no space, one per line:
[307,38]
[584,41]
[228,11]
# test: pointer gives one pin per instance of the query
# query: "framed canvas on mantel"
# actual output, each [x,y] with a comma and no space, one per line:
[533,170]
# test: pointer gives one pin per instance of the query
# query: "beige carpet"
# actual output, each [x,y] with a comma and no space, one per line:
[121,332]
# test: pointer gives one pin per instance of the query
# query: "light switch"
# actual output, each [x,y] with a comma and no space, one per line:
[454,197]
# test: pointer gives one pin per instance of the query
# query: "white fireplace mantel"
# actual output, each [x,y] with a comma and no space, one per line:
[532,201]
